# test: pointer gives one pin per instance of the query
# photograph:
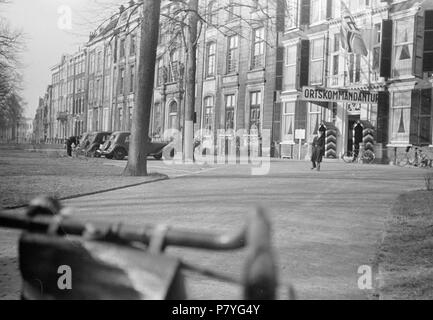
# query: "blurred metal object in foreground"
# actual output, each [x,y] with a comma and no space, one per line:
[128,262]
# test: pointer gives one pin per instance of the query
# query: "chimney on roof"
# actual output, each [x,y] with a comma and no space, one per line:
[131,3]
[121,9]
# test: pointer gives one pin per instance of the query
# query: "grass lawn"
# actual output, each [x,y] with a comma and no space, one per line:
[405,257]
[25,175]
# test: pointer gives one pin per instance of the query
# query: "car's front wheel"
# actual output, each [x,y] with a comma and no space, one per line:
[119,154]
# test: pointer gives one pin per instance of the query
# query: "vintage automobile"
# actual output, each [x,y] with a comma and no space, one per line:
[83,141]
[90,143]
[117,147]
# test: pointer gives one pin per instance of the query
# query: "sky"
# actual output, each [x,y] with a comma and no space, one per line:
[46,39]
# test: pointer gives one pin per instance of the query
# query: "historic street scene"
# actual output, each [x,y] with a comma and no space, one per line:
[216,150]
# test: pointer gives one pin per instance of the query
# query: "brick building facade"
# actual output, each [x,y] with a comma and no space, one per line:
[398,67]
[253,60]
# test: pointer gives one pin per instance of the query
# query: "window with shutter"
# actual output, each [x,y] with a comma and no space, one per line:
[208,115]
[122,48]
[305,12]
[288,125]
[232,54]
[132,79]
[174,66]
[211,59]
[255,111]
[314,119]
[421,117]
[212,15]
[377,39]
[133,45]
[291,11]
[172,115]
[276,127]
[354,68]
[157,120]
[317,61]
[304,64]
[279,74]
[400,116]
[318,10]
[386,49]
[335,60]
[428,42]
[290,70]
[160,72]
[403,47]
[122,81]
[258,50]
[230,112]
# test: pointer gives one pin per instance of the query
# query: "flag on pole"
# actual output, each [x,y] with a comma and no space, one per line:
[351,36]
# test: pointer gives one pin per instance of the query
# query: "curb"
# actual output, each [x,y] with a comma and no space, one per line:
[154,178]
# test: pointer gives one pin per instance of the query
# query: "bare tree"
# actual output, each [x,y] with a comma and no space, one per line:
[140,141]
[192,36]
[10,79]
[186,21]
[185,24]
[190,18]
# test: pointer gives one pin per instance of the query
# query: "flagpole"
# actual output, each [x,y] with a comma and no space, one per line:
[370,45]
[345,74]
[370,106]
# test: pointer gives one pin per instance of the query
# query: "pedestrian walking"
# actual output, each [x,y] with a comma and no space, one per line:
[71,141]
[318,150]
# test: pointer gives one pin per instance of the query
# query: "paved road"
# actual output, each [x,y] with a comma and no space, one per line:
[326,224]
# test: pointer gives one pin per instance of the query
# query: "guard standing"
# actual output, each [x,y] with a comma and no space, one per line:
[318,151]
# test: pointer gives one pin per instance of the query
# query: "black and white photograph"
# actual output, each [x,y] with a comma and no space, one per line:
[223,153]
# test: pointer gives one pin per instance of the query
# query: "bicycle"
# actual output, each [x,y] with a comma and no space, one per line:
[359,156]
[416,159]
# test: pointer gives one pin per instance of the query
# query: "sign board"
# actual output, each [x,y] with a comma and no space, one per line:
[338,95]
[300,134]
[354,108]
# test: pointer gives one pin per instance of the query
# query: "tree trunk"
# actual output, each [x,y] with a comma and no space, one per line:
[191,80]
[140,140]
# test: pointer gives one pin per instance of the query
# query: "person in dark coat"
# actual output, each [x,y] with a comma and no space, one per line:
[318,150]
[71,141]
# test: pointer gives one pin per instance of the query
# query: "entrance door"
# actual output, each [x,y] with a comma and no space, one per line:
[352,137]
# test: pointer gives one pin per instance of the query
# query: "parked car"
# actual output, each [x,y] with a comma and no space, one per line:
[117,147]
[83,138]
[91,142]
[82,142]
